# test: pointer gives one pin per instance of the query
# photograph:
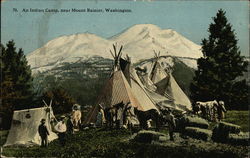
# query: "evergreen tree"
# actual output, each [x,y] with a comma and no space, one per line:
[62,101]
[16,82]
[219,70]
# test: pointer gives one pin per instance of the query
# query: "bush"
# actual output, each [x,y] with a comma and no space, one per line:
[198,133]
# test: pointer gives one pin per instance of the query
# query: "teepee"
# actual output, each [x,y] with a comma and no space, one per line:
[165,86]
[122,86]
[24,127]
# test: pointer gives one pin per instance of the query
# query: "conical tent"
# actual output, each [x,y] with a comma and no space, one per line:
[24,127]
[145,80]
[158,73]
[123,86]
[158,93]
[116,90]
[168,87]
[140,92]
[136,85]
[180,98]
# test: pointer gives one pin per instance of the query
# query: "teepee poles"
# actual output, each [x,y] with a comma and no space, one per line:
[116,55]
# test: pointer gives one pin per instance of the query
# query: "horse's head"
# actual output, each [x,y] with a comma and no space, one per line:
[119,105]
[221,102]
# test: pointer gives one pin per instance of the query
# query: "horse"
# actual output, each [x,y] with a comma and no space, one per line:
[113,114]
[208,109]
[129,117]
[144,116]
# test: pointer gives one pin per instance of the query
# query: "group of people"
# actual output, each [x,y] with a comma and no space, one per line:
[210,110]
[119,115]
[126,116]
[62,127]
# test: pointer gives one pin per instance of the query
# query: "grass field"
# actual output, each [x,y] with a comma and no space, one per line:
[114,143]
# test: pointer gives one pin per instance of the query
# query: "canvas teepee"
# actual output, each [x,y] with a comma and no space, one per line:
[162,87]
[24,127]
[167,86]
[121,87]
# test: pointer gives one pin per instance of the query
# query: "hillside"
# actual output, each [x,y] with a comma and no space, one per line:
[84,80]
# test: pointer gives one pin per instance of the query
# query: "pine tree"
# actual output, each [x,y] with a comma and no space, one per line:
[16,81]
[219,70]
[62,101]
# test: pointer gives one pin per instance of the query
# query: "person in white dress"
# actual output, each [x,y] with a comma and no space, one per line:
[61,129]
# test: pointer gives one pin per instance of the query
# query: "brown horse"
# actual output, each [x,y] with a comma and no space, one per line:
[113,114]
[144,116]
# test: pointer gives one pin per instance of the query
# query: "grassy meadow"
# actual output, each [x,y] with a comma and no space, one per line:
[115,143]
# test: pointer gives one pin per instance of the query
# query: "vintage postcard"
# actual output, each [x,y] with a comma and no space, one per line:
[124,78]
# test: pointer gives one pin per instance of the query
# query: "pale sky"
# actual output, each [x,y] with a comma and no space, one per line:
[189,18]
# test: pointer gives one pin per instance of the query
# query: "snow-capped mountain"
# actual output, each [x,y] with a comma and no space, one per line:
[139,42]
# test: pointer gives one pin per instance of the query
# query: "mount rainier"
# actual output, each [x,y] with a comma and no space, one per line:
[139,42]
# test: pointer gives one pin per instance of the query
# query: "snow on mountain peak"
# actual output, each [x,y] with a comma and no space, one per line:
[139,42]
[147,38]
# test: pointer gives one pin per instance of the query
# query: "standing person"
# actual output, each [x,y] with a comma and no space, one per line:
[76,116]
[61,129]
[221,110]
[69,125]
[43,132]
[99,121]
[101,106]
[171,123]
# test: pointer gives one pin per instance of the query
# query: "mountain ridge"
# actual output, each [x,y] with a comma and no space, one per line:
[139,42]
